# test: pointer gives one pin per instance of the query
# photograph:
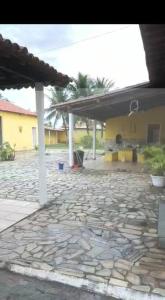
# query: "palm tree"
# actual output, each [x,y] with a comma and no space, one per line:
[102,85]
[58,95]
[82,86]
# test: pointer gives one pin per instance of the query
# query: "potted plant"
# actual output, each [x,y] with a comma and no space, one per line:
[156,165]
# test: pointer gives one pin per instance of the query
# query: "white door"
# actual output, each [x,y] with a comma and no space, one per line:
[34,137]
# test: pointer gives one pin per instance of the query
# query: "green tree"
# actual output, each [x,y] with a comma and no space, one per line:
[102,86]
[58,95]
[82,86]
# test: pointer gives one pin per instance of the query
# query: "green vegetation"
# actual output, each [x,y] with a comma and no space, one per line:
[7,152]
[36,147]
[87,142]
[157,165]
[82,86]
[58,95]
[152,151]
[155,159]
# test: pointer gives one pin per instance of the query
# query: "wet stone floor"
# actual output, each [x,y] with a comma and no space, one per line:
[99,225]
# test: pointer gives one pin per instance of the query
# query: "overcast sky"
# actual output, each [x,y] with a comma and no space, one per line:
[112,51]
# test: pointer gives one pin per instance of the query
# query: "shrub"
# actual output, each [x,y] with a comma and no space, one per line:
[152,151]
[155,159]
[87,141]
[7,152]
[156,164]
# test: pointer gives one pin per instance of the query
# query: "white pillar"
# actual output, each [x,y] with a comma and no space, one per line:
[94,139]
[41,139]
[71,139]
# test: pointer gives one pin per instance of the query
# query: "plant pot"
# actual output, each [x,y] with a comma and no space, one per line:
[158,181]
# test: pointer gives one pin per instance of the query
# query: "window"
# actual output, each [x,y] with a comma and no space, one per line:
[153,136]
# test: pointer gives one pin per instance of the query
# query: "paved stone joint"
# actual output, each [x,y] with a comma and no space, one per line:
[101,226]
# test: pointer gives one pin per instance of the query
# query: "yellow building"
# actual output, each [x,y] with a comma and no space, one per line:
[18,126]
[133,115]
[79,133]
[141,128]
[54,136]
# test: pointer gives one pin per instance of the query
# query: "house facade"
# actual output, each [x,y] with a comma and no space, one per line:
[143,127]
[79,133]
[54,136]
[18,126]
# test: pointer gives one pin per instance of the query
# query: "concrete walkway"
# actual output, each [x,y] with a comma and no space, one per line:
[13,211]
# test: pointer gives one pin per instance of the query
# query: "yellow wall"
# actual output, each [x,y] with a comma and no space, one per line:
[10,130]
[79,133]
[55,137]
[51,137]
[134,128]
[62,137]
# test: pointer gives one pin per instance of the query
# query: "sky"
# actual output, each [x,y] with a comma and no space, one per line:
[111,51]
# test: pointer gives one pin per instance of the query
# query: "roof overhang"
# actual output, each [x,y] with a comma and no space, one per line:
[153,37]
[20,69]
[116,103]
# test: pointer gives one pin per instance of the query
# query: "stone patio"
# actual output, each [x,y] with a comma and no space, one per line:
[100,226]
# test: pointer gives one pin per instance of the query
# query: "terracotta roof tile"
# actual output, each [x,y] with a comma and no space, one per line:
[19,68]
[6,105]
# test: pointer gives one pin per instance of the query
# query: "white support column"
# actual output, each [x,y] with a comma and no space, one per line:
[71,119]
[94,139]
[41,139]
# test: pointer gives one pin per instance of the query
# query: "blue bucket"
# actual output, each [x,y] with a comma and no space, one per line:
[61,166]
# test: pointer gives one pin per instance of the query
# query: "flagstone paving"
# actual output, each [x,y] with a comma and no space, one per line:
[100,225]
